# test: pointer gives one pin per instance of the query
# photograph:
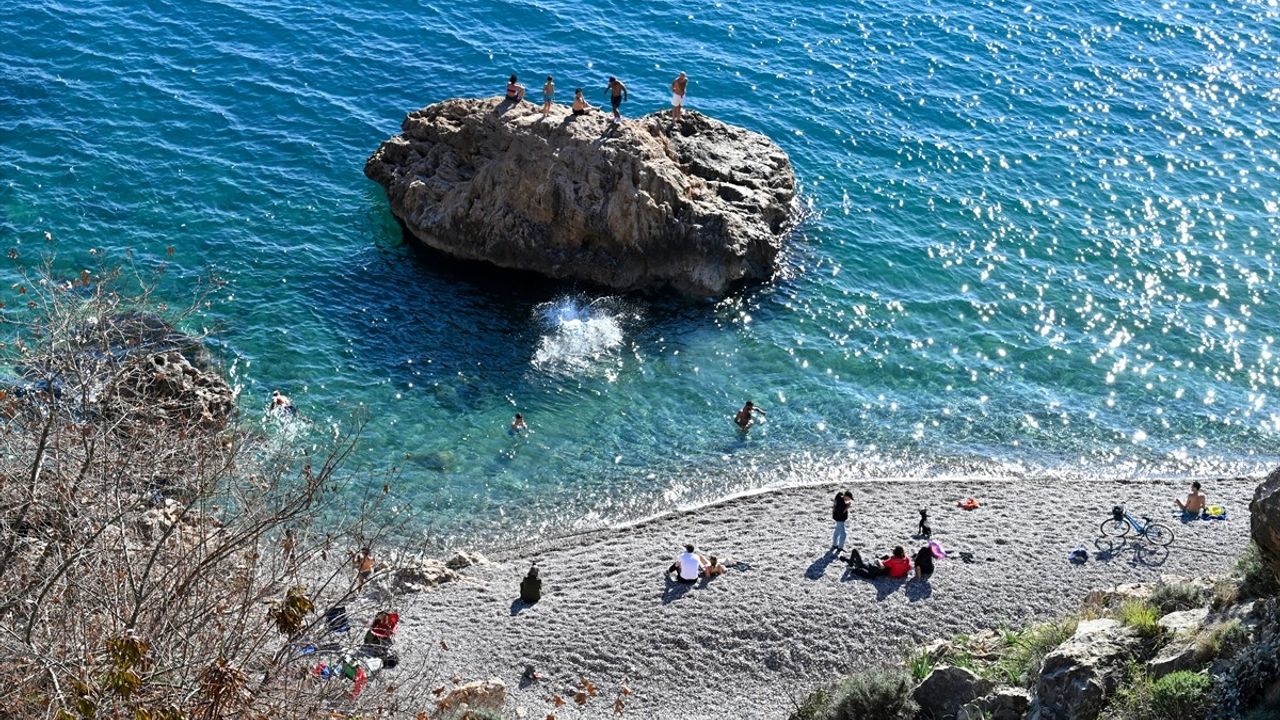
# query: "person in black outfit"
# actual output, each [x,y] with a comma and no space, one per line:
[840,513]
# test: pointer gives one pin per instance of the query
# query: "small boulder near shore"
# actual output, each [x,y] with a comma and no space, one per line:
[641,205]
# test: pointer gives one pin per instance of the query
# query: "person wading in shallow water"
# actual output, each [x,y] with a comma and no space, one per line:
[744,416]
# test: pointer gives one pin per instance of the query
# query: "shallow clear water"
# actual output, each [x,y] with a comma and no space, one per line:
[1040,239]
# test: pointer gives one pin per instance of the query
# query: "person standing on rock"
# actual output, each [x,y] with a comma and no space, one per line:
[678,87]
[617,95]
[548,95]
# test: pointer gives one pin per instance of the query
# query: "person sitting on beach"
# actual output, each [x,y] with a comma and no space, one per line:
[515,91]
[688,566]
[1195,503]
[924,562]
[744,416]
[713,568]
[518,424]
[531,586]
[580,104]
[548,95]
[896,566]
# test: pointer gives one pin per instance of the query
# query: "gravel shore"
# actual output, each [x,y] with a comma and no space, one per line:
[787,617]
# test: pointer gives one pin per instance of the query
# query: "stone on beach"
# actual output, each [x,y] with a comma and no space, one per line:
[1079,676]
[488,694]
[638,206]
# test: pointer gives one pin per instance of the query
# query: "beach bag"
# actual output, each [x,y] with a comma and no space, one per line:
[1215,512]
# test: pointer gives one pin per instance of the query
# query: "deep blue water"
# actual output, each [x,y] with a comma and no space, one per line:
[1040,239]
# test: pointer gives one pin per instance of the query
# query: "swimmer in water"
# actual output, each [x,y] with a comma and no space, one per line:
[518,424]
[744,416]
[281,403]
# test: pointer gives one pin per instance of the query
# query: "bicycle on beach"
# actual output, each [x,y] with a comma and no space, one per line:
[1121,522]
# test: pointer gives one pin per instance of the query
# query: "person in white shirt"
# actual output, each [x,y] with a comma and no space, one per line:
[688,566]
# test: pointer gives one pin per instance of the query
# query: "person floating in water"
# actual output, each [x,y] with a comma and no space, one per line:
[617,94]
[548,95]
[515,91]
[678,87]
[744,416]
[281,404]
[518,424]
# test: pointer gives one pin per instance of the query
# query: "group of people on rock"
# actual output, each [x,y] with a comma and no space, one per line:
[616,89]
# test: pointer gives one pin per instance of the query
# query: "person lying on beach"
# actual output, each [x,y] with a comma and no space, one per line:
[580,104]
[924,563]
[713,568]
[744,416]
[1195,501]
[688,566]
[896,566]
[515,91]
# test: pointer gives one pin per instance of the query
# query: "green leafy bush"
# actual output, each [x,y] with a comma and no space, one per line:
[1180,695]
[1222,640]
[920,664]
[880,694]
[1256,577]
[1175,596]
[1141,616]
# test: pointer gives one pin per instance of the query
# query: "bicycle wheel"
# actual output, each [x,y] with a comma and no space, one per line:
[1112,527]
[1158,534]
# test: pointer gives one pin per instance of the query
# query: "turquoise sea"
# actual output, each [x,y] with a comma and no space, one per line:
[1039,239]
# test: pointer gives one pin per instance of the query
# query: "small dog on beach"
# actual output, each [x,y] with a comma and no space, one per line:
[926,532]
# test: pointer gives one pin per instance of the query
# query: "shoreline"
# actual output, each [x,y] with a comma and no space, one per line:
[787,617]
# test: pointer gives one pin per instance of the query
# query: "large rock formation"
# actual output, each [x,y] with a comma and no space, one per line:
[1264,520]
[641,205]
[1079,676]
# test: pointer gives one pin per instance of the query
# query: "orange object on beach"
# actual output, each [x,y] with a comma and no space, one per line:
[969,504]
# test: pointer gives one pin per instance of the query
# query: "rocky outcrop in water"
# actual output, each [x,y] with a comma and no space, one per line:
[641,205]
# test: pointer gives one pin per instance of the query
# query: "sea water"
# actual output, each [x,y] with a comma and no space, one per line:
[1037,239]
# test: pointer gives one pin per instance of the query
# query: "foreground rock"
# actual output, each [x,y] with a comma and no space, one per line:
[1264,520]
[947,689]
[488,694]
[638,206]
[1078,677]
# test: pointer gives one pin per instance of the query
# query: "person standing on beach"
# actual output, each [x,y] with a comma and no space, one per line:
[840,513]
[617,94]
[744,416]
[548,95]
[678,87]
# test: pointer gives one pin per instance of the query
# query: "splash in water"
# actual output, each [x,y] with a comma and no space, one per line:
[580,335]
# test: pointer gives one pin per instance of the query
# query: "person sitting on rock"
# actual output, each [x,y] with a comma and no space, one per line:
[1195,503]
[515,91]
[531,587]
[580,104]
[896,566]
[688,566]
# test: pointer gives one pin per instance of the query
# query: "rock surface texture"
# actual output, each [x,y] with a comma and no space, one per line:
[1078,677]
[637,206]
[947,689]
[1264,520]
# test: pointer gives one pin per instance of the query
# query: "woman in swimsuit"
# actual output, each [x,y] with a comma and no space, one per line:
[515,91]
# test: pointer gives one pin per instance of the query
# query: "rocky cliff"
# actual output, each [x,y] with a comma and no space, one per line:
[641,205]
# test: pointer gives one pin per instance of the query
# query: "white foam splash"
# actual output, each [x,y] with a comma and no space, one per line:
[579,334]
